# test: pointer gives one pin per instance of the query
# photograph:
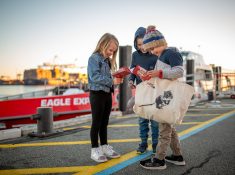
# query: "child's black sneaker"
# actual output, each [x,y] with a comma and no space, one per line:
[177,160]
[153,164]
[142,148]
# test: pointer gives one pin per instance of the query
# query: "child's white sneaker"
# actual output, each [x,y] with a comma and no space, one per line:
[109,152]
[98,155]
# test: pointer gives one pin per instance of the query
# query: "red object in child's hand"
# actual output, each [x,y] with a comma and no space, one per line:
[136,70]
[122,72]
[141,72]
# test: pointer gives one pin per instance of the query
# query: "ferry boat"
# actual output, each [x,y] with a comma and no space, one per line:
[209,81]
[202,78]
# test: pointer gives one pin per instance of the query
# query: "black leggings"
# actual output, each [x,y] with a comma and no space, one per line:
[101,106]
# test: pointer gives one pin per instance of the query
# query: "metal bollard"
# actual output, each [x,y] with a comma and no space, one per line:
[45,122]
[44,118]
[124,90]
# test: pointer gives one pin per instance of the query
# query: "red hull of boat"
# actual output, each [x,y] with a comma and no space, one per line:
[17,112]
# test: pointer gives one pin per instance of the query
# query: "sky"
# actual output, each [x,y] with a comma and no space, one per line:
[66,31]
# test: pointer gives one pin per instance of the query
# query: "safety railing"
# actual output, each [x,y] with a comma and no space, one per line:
[40,93]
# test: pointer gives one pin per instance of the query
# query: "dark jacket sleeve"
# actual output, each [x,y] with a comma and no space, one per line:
[133,64]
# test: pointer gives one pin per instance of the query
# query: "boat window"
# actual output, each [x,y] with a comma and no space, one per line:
[208,75]
[201,74]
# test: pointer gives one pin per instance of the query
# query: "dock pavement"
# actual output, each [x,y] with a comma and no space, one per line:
[206,134]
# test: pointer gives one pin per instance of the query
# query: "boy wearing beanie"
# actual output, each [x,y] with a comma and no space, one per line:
[147,61]
[169,66]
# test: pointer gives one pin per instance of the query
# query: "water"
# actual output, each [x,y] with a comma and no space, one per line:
[7,90]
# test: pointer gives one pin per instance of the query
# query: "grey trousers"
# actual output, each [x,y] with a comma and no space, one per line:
[167,137]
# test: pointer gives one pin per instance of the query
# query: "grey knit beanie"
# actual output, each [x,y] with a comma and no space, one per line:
[153,38]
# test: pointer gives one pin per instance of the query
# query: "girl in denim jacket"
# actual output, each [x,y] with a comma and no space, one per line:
[100,84]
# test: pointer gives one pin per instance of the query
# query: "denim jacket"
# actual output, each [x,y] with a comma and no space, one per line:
[99,73]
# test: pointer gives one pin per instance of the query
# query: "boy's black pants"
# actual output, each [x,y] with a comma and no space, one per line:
[101,106]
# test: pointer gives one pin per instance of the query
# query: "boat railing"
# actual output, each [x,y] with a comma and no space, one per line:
[33,94]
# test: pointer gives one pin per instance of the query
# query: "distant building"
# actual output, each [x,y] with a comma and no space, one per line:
[54,74]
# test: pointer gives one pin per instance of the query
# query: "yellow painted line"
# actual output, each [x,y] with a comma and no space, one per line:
[187,114]
[134,116]
[70,128]
[199,115]
[132,125]
[44,144]
[204,123]
[62,143]
[211,108]
[190,123]
[44,170]
[115,126]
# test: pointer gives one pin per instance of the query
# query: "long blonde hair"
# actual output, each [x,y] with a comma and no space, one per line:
[103,44]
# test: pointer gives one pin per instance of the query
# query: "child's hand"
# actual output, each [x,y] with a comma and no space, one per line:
[155,73]
[117,81]
[145,77]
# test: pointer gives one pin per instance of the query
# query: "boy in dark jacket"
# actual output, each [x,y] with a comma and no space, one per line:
[146,61]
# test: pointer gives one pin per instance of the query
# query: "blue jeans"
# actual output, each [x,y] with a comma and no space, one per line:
[144,129]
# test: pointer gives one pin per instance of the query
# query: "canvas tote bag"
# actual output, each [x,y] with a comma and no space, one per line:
[165,101]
